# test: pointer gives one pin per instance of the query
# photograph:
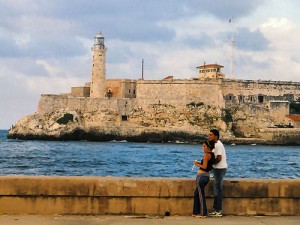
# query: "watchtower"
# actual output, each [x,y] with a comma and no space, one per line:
[210,71]
[98,68]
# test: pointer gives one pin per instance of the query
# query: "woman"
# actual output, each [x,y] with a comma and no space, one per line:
[202,179]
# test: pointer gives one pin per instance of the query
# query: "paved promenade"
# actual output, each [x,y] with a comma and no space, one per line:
[132,220]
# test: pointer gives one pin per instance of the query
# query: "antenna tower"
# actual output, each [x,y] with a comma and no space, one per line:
[232,43]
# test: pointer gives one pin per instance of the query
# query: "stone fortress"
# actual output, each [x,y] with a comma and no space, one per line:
[167,110]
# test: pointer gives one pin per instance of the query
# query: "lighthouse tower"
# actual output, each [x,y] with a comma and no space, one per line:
[98,68]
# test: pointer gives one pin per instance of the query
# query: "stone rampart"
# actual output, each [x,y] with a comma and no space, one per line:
[179,92]
[281,136]
[118,195]
[250,90]
[49,103]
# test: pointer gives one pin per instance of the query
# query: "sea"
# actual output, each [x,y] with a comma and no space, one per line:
[127,159]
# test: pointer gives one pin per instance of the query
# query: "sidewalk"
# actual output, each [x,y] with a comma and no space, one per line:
[132,220]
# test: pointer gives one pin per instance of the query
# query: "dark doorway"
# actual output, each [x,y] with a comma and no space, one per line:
[260,99]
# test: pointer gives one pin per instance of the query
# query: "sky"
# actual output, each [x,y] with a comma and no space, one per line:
[45,46]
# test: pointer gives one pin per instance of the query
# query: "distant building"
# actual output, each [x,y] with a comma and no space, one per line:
[210,71]
[120,88]
[81,91]
[295,119]
[169,78]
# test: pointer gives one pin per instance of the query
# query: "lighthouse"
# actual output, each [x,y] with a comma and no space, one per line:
[97,89]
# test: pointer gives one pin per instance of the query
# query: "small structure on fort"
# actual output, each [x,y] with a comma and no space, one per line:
[211,71]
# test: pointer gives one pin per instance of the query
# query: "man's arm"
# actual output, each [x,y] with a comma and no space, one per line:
[218,159]
[218,153]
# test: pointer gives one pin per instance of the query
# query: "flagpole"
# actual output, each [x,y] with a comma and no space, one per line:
[142,69]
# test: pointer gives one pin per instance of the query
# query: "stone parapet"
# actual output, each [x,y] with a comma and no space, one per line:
[119,195]
[281,136]
[179,92]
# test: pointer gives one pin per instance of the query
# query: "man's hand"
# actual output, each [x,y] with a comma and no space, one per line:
[218,159]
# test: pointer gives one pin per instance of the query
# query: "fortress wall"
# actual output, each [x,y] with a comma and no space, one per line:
[49,103]
[152,196]
[281,135]
[179,92]
[272,90]
[264,103]
[249,118]
[280,110]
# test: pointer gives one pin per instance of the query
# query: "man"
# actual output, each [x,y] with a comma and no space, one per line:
[219,171]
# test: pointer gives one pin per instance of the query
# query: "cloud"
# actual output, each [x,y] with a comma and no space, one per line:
[251,40]
[45,46]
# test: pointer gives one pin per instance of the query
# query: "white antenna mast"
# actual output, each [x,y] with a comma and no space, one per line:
[232,50]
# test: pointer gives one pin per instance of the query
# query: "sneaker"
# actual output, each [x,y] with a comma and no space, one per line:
[199,216]
[215,214]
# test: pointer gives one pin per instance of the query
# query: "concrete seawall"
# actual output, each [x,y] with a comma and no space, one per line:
[119,195]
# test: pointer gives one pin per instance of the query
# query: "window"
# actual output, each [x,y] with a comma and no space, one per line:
[241,98]
[134,91]
[260,99]
[129,90]
[124,117]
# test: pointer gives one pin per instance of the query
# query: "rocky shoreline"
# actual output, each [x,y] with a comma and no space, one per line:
[143,137]
[158,123]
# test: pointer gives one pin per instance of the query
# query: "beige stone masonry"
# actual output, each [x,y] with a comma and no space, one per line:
[119,195]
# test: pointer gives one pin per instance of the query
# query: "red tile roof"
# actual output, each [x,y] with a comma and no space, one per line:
[294,117]
[169,78]
[210,66]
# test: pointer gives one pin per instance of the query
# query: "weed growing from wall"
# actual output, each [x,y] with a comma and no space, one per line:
[226,116]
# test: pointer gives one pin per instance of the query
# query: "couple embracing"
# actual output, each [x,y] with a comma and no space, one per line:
[214,158]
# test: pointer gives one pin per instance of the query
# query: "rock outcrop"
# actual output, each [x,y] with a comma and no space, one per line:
[157,123]
[66,118]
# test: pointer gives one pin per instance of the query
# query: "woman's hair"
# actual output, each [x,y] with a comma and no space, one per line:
[210,144]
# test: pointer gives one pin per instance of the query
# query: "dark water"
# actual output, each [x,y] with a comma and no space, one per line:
[140,159]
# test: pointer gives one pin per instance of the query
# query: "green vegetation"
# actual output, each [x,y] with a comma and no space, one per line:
[295,107]
[226,116]
[65,119]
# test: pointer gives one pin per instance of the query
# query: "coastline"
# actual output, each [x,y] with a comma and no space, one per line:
[143,137]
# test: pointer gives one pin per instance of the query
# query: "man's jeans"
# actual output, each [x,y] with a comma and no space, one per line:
[218,182]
